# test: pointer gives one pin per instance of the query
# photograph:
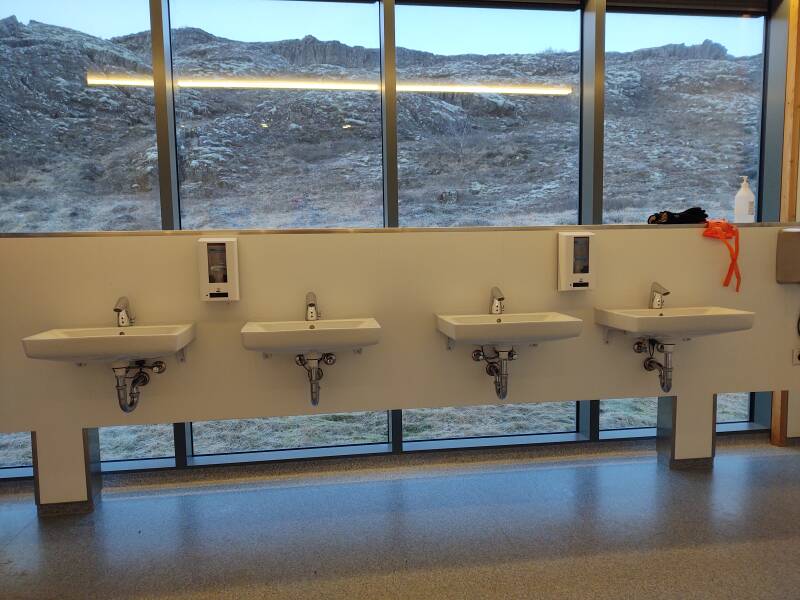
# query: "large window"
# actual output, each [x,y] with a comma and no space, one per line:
[285,433]
[488,421]
[278,113]
[635,413]
[488,134]
[682,112]
[15,450]
[76,156]
[733,408]
[136,442]
[488,106]
[628,413]
[278,124]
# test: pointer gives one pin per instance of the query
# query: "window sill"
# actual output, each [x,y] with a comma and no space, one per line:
[381,230]
[143,464]
[16,473]
[646,432]
[634,433]
[279,455]
[741,427]
[493,442]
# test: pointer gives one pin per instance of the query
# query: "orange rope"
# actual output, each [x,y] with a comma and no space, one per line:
[722,230]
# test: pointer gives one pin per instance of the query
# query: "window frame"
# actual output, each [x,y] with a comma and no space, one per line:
[18,471]
[291,449]
[590,207]
[590,203]
[704,10]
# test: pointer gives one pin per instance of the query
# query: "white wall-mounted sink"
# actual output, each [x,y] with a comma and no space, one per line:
[301,337]
[674,322]
[109,344]
[508,328]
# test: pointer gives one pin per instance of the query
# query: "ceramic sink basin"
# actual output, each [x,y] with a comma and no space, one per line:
[302,337]
[522,328]
[109,344]
[675,322]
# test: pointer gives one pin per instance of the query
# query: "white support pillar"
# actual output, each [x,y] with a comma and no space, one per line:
[66,470]
[793,415]
[686,430]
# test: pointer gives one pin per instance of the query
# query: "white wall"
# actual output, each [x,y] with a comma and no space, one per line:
[793,414]
[402,279]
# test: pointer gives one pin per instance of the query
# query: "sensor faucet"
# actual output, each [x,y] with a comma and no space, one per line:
[657,293]
[312,310]
[498,298]
[125,316]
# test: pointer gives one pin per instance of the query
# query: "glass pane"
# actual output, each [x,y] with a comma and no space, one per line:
[278,113]
[641,412]
[683,113]
[628,413]
[15,450]
[283,433]
[76,155]
[136,441]
[506,153]
[733,408]
[494,420]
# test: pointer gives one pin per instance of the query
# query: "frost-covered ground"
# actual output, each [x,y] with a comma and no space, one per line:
[682,123]
[326,430]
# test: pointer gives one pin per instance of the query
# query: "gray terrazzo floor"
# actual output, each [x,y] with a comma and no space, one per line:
[575,523]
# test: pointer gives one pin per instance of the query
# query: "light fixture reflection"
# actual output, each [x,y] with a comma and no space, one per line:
[277,84]
[286,84]
[525,90]
[119,80]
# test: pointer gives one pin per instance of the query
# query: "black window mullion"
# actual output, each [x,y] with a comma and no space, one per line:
[389,113]
[165,115]
[593,19]
[166,144]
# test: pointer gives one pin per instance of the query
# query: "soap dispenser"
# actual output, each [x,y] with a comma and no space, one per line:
[219,269]
[745,203]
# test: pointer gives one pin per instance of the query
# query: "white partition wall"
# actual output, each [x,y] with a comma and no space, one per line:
[401,278]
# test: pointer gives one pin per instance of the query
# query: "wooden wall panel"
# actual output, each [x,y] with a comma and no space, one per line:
[791,134]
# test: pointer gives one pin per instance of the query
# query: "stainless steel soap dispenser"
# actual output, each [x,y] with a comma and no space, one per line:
[787,256]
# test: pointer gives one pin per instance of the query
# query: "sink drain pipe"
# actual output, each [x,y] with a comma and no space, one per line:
[651,364]
[130,379]
[497,367]
[310,362]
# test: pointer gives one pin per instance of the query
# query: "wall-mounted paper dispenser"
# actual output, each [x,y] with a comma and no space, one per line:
[787,256]
[219,269]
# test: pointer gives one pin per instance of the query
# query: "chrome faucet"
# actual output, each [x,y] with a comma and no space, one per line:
[498,298]
[125,316]
[657,293]
[312,310]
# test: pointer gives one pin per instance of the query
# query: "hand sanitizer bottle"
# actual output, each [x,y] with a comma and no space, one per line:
[744,204]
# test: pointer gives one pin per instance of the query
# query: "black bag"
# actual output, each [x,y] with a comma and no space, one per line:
[690,215]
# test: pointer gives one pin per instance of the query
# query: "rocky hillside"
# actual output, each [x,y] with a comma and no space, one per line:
[682,124]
